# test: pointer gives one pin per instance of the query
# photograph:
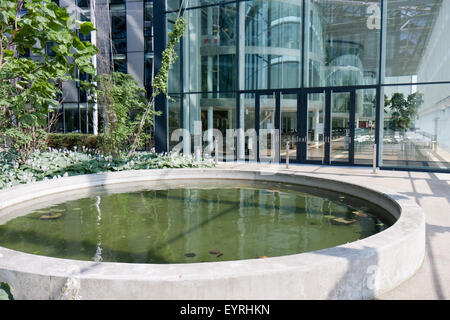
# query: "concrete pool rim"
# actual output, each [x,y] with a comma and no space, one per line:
[359,270]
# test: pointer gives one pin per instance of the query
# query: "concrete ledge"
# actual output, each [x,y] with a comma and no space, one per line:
[359,270]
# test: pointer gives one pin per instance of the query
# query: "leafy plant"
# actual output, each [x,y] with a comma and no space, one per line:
[39,48]
[403,110]
[125,112]
[160,81]
[54,164]
[71,141]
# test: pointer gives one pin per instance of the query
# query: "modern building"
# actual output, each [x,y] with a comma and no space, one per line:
[315,71]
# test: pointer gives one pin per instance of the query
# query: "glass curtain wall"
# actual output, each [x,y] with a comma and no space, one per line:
[288,126]
[235,49]
[416,112]
[365,125]
[206,70]
[342,45]
[119,35]
[273,43]
[415,131]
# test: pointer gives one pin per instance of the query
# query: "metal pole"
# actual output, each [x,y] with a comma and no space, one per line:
[287,154]
[216,151]
[374,159]
[197,154]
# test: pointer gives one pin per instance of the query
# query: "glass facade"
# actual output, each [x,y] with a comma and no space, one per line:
[338,79]
[118,36]
[417,47]
[342,44]
[273,40]
[427,143]
[326,70]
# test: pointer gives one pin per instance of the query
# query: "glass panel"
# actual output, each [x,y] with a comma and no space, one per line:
[71,117]
[417,44]
[201,113]
[365,116]
[340,126]
[118,21]
[48,49]
[174,107]
[84,118]
[273,31]
[148,26]
[148,72]
[120,63]
[80,3]
[342,48]
[315,127]
[84,14]
[416,122]
[119,37]
[55,119]
[218,114]
[267,136]
[288,106]
[173,5]
[247,138]
[209,51]
[174,80]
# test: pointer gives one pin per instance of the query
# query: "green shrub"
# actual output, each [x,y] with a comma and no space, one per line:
[70,140]
[55,164]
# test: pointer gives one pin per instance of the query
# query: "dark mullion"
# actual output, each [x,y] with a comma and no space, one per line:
[257,111]
[352,120]
[278,122]
[327,124]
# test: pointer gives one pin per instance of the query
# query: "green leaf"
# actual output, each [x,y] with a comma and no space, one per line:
[86,28]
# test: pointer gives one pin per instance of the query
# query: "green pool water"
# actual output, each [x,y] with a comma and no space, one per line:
[192,221]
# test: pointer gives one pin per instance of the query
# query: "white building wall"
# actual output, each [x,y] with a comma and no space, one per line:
[434,115]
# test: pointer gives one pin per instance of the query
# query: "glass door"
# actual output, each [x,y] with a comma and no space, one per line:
[313,135]
[289,125]
[341,130]
[268,144]
[327,128]
[365,125]
[247,137]
[318,124]
[267,125]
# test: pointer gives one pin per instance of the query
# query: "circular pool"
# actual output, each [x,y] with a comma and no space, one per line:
[166,234]
[193,221]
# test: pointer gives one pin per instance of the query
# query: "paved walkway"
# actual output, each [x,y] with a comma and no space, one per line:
[432,192]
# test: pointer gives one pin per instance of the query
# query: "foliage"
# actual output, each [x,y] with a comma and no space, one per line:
[403,110]
[5,292]
[70,141]
[168,57]
[125,111]
[159,83]
[39,48]
[55,164]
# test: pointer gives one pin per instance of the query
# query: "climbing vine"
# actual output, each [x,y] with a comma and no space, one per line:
[160,80]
